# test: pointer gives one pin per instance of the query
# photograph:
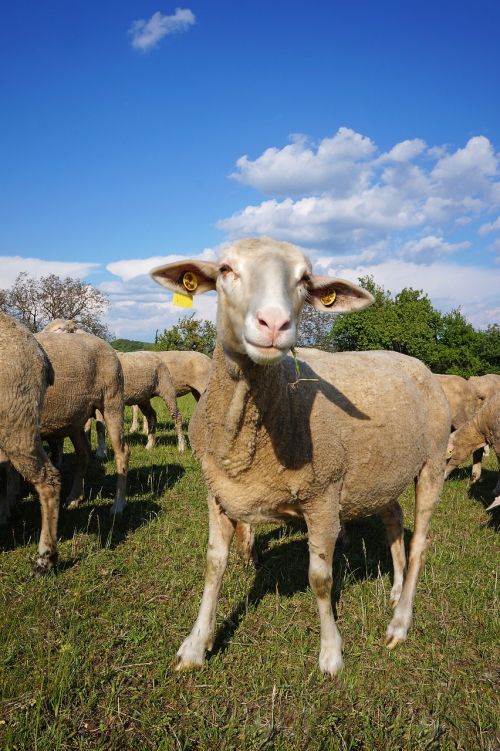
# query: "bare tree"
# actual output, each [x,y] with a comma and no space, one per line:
[35,302]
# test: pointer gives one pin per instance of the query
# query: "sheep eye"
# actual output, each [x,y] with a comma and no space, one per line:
[225,269]
[305,278]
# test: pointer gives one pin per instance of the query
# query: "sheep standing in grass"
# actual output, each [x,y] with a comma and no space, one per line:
[146,376]
[25,374]
[339,438]
[464,403]
[482,429]
[87,376]
[189,372]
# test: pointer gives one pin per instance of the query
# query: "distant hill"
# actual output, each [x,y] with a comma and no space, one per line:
[130,345]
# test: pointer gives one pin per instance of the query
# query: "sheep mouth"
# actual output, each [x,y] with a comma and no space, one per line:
[265,354]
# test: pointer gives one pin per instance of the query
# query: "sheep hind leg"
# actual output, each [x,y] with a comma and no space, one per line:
[392,516]
[323,530]
[82,451]
[245,543]
[101,435]
[427,489]
[221,529]
[167,392]
[150,416]
[37,469]
[114,422]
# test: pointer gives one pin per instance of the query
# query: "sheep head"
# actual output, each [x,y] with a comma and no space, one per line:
[262,287]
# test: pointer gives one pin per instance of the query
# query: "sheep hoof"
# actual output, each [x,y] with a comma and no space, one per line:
[190,656]
[44,563]
[330,661]
[72,503]
[396,633]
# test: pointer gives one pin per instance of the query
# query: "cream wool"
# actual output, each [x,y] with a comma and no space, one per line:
[343,444]
[25,374]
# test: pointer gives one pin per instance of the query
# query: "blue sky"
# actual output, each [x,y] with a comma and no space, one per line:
[371,134]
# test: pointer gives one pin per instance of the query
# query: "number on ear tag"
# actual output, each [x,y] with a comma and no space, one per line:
[190,281]
[328,298]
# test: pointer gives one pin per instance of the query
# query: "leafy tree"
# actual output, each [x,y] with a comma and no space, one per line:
[189,333]
[131,345]
[408,323]
[35,302]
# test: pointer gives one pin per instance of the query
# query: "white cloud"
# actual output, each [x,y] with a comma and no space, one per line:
[147,34]
[133,267]
[11,266]
[430,248]
[404,151]
[343,193]
[337,164]
[489,227]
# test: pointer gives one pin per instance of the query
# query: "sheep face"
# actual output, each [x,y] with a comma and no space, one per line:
[262,286]
[458,451]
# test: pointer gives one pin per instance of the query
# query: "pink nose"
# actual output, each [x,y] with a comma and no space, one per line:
[272,321]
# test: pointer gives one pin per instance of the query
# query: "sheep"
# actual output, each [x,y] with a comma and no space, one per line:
[68,326]
[482,429]
[88,376]
[337,440]
[25,374]
[464,403]
[189,373]
[145,376]
[485,386]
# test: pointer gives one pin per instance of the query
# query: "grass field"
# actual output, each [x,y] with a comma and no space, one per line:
[86,654]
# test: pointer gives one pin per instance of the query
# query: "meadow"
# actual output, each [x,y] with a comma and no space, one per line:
[87,652]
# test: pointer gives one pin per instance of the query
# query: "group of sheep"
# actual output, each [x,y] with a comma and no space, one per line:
[320,436]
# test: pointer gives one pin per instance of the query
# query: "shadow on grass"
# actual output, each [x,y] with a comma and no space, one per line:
[362,554]
[482,491]
[92,518]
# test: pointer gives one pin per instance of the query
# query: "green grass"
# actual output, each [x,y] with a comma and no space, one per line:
[86,655]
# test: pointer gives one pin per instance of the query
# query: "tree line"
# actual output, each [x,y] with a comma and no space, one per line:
[406,322]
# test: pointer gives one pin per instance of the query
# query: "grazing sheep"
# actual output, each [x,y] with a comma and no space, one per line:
[189,372]
[464,403]
[145,376]
[339,439]
[482,429]
[25,374]
[88,376]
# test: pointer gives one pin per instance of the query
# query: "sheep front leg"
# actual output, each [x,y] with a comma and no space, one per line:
[477,458]
[221,529]
[323,529]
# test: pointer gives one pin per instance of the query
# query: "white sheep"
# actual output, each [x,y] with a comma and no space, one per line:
[25,374]
[145,376]
[339,439]
[481,430]
[87,376]
[189,372]
[464,402]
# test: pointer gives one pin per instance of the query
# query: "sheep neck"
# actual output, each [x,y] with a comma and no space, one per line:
[242,400]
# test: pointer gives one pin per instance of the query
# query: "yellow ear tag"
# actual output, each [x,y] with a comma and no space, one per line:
[328,298]
[183,301]
[190,281]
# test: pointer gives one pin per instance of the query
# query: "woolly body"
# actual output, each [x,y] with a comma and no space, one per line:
[25,374]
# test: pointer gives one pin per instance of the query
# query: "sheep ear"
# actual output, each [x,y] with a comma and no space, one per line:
[331,295]
[189,277]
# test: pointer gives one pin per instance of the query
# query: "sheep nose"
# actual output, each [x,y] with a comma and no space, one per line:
[272,321]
